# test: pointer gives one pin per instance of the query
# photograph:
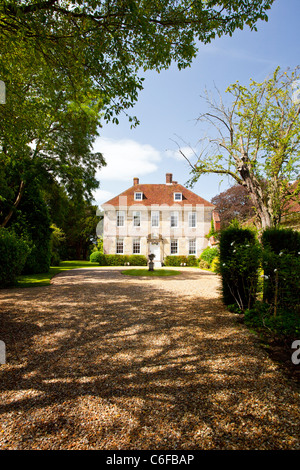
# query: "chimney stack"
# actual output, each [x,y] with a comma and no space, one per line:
[169,178]
[135,181]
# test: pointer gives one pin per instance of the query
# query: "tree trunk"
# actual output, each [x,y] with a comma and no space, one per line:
[256,194]
[15,205]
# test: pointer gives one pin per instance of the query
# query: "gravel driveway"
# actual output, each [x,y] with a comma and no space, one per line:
[99,360]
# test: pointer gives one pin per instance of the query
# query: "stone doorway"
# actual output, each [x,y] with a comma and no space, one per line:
[154,247]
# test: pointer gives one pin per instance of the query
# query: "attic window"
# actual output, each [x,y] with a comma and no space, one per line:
[138,196]
[177,196]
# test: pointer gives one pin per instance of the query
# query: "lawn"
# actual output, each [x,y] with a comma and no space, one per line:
[146,272]
[35,280]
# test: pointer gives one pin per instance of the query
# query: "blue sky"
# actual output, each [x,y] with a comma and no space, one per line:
[171,101]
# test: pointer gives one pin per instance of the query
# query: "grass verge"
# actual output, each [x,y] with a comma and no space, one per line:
[43,279]
[146,272]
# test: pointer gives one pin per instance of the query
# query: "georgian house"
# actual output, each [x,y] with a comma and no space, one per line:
[164,219]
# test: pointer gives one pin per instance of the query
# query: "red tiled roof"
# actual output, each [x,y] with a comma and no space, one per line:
[159,194]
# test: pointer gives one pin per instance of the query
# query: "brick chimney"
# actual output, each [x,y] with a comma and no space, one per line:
[135,181]
[169,178]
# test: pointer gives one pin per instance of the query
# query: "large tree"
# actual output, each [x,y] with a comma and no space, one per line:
[46,128]
[70,64]
[257,142]
[110,41]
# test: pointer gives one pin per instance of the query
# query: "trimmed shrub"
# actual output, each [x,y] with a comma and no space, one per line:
[175,260]
[118,260]
[208,254]
[137,260]
[192,261]
[203,264]
[281,265]
[181,261]
[239,263]
[279,239]
[13,254]
[98,257]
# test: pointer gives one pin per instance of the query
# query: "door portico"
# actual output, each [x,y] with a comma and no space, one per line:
[154,246]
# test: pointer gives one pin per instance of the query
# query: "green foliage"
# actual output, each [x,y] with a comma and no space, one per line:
[192,261]
[281,265]
[180,260]
[209,254]
[279,239]
[31,222]
[278,286]
[100,244]
[13,255]
[239,263]
[56,239]
[259,143]
[98,257]
[285,323]
[215,265]
[204,264]
[87,57]
[118,260]
[212,232]
[79,225]
[44,279]
[137,260]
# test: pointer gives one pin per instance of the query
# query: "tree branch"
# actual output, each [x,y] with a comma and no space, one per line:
[15,204]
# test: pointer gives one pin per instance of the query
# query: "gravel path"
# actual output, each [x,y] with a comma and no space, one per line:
[99,360]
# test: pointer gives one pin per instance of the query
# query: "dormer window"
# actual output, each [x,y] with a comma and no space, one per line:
[138,196]
[177,196]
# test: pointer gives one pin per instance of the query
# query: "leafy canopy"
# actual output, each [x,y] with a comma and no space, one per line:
[257,142]
[111,40]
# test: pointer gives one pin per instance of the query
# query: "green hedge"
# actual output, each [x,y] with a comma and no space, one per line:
[281,265]
[97,257]
[13,254]
[209,254]
[239,264]
[178,260]
[118,260]
[137,260]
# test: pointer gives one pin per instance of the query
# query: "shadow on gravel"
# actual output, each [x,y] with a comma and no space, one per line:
[124,365]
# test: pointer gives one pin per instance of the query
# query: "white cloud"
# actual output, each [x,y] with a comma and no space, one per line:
[177,155]
[126,159]
[102,195]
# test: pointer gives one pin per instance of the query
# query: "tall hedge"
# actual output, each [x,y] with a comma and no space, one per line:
[31,222]
[239,264]
[180,260]
[118,260]
[281,265]
[13,254]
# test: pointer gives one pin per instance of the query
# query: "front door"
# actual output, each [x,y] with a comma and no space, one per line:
[155,249]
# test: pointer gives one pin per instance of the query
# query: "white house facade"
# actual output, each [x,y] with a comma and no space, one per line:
[163,219]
